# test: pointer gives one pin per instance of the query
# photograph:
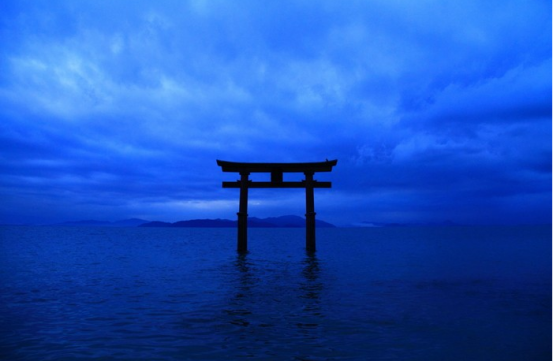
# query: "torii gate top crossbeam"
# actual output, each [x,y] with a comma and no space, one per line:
[228,166]
[276,170]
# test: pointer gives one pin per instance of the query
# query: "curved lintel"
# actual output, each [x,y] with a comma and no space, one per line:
[228,166]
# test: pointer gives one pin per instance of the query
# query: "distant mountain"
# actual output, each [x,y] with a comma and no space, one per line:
[205,223]
[120,223]
[129,222]
[156,224]
[383,224]
[253,222]
[290,221]
[287,221]
[86,223]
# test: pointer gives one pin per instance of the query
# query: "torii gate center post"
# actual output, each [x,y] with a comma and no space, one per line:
[276,170]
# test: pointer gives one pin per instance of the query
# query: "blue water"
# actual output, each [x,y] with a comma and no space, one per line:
[431,293]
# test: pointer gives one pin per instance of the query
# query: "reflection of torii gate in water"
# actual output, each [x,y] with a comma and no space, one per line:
[276,170]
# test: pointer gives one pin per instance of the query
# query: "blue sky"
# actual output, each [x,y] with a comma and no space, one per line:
[435,110]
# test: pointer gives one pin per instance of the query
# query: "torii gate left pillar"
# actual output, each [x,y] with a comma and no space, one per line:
[243,213]
[276,170]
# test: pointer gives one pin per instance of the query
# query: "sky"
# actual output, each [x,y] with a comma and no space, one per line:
[435,110]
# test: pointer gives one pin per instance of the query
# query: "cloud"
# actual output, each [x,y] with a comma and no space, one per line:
[129,104]
[527,88]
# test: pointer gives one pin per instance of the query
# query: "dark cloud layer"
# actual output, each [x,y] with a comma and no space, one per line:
[436,110]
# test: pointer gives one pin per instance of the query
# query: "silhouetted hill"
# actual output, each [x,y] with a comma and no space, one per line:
[156,224]
[127,222]
[290,221]
[396,224]
[287,221]
[86,223]
[253,222]
[205,223]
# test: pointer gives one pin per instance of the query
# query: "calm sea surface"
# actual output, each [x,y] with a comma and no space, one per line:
[184,294]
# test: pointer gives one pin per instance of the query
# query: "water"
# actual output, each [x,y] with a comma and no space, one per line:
[431,293]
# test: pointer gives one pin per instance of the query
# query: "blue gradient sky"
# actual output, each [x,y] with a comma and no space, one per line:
[436,110]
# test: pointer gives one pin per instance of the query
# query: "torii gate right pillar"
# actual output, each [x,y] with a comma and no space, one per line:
[310,212]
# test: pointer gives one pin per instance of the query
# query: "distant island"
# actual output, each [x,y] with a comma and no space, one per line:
[287,221]
[397,224]
[126,222]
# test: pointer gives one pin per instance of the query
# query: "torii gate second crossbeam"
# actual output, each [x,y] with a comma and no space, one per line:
[276,170]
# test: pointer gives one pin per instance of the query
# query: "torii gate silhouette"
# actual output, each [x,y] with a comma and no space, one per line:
[276,170]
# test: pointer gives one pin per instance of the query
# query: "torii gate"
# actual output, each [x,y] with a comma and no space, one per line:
[276,170]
